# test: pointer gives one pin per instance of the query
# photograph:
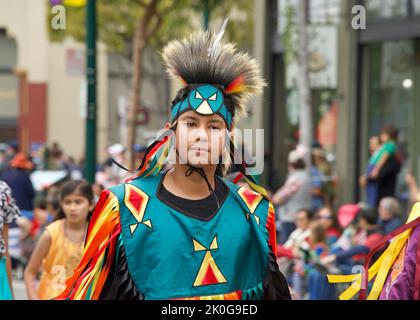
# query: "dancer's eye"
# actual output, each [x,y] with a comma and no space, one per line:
[190,124]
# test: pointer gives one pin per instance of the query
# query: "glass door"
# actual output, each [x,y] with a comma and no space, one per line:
[390,97]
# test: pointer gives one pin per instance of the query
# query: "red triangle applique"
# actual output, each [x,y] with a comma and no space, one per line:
[209,278]
[250,196]
[136,199]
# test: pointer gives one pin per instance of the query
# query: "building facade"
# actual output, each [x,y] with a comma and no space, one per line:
[43,86]
[361,79]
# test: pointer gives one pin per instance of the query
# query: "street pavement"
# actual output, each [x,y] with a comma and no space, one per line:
[19,289]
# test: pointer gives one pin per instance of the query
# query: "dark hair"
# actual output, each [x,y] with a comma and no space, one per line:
[81,187]
[391,131]
[54,201]
[309,213]
[41,203]
[335,223]
[299,164]
[369,214]
[318,233]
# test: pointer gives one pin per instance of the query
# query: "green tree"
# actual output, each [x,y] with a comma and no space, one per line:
[138,24]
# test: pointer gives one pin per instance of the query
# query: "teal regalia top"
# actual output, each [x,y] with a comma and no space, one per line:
[140,246]
[171,255]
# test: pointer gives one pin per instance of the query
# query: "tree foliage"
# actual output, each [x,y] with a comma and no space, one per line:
[117,21]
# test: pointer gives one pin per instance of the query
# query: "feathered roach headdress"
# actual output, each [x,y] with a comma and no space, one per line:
[217,79]
[216,73]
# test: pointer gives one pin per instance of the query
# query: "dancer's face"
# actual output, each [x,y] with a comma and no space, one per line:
[200,140]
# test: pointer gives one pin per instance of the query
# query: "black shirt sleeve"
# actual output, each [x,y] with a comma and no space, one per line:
[120,285]
[275,284]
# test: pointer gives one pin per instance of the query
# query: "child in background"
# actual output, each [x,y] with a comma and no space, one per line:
[378,159]
[318,241]
[53,207]
[388,149]
[60,247]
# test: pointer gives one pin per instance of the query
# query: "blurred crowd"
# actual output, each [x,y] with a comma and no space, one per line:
[318,236]
[39,207]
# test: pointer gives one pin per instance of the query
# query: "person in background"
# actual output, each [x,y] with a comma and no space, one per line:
[317,196]
[115,174]
[319,160]
[97,190]
[8,213]
[389,214]
[17,177]
[413,187]
[387,166]
[9,153]
[294,195]
[139,152]
[318,289]
[347,218]
[299,238]
[60,247]
[53,206]
[368,237]
[291,254]
[30,229]
[329,221]
[371,186]
[388,149]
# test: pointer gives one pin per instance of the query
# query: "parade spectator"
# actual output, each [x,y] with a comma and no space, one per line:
[17,177]
[371,185]
[31,229]
[413,187]
[60,247]
[299,238]
[389,214]
[294,195]
[368,237]
[388,173]
[53,206]
[114,173]
[329,221]
[317,195]
[97,190]
[327,192]
[8,213]
[387,150]
[386,165]
[9,153]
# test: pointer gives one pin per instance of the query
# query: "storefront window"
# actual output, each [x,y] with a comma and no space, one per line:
[390,93]
[9,89]
[321,12]
[324,11]
[386,9]
[390,100]
[416,7]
